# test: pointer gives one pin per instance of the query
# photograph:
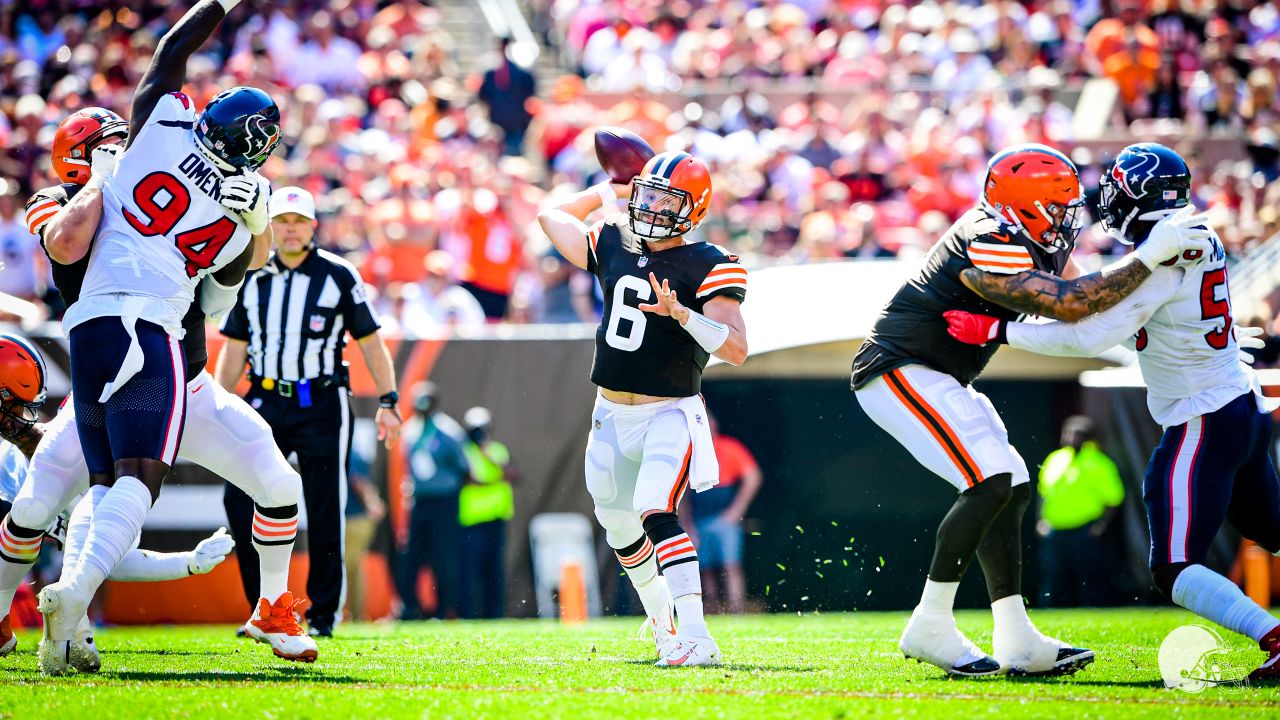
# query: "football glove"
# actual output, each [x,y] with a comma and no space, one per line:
[1249,338]
[247,194]
[210,552]
[102,164]
[1175,237]
[973,329]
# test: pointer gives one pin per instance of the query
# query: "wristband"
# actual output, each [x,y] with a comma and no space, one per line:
[389,400]
[608,196]
[708,333]
[228,5]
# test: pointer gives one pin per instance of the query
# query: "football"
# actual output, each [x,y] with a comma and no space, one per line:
[621,153]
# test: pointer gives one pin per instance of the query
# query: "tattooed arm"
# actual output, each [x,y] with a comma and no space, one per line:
[1039,293]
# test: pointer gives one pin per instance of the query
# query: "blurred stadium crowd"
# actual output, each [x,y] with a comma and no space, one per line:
[428,176]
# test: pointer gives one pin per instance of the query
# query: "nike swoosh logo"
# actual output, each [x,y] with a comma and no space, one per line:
[198,388]
[1002,237]
[684,658]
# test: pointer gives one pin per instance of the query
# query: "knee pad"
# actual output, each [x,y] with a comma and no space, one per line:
[1164,576]
[621,528]
[662,526]
[31,514]
[284,489]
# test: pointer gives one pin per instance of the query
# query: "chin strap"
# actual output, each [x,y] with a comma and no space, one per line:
[226,167]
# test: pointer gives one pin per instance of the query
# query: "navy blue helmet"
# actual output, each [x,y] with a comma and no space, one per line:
[1143,178]
[240,126]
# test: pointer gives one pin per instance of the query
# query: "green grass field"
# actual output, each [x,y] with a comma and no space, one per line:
[811,666]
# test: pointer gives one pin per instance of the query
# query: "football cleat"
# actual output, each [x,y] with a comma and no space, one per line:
[8,641]
[1034,654]
[689,651]
[935,639]
[62,607]
[1268,671]
[277,625]
[662,630]
[84,652]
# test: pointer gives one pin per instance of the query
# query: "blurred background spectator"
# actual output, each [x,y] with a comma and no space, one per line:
[717,517]
[365,510]
[485,506]
[1080,491]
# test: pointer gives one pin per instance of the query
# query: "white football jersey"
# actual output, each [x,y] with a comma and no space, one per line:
[1179,321]
[163,226]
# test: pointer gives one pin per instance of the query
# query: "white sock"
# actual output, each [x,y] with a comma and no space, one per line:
[939,597]
[650,586]
[1011,620]
[274,530]
[1209,595]
[11,575]
[689,612]
[117,522]
[78,528]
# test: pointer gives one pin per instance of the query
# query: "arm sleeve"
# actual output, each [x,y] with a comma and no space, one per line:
[147,566]
[1096,334]
[215,298]
[359,315]
[236,324]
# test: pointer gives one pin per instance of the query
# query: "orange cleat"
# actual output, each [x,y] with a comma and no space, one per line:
[277,625]
[7,640]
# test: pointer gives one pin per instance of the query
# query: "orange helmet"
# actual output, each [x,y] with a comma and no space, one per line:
[22,385]
[1037,190]
[76,138]
[670,197]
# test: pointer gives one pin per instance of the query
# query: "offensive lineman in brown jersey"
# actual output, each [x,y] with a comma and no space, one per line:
[650,438]
[1010,255]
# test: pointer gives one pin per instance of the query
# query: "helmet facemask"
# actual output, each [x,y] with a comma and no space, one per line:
[17,416]
[1065,224]
[657,210]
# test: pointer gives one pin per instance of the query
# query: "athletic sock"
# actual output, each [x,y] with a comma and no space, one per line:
[641,564]
[274,530]
[938,597]
[117,522]
[1209,595]
[962,529]
[19,548]
[78,528]
[679,563]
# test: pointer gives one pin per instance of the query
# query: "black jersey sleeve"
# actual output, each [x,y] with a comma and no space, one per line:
[725,277]
[46,203]
[996,248]
[593,240]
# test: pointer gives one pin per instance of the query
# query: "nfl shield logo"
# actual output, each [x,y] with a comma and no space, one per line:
[317,323]
[644,260]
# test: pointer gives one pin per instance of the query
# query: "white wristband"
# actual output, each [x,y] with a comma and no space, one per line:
[228,5]
[608,196]
[708,333]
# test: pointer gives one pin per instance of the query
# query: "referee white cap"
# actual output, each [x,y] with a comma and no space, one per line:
[292,200]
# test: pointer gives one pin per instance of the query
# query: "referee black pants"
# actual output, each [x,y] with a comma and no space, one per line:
[321,436]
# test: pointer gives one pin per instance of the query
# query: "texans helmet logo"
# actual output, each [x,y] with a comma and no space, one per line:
[260,135]
[1133,171]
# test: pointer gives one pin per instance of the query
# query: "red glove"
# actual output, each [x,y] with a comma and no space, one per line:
[973,329]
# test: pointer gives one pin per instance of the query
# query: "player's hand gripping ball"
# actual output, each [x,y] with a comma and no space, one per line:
[621,153]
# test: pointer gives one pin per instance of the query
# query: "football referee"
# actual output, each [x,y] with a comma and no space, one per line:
[289,326]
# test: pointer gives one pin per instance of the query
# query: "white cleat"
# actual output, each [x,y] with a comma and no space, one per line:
[691,651]
[935,639]
[8,641]
[1031,653]
[277,625]
[84,652]
[661,629]
[62,607]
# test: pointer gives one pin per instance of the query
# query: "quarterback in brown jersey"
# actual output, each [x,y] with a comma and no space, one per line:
[1009,255]
[670,303]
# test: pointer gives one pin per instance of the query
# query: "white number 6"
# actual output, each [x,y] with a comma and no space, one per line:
[622,311]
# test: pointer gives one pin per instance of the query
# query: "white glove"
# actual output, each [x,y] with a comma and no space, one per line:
[1249,338]
[102,164]
[1176,235]
[248,194]
[210,552]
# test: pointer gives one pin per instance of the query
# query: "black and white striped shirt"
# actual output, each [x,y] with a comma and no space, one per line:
[295,321]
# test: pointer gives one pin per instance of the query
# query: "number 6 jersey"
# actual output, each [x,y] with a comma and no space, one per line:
[163,226]
[646,353]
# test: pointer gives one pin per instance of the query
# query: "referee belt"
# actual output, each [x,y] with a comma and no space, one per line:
[289,388]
